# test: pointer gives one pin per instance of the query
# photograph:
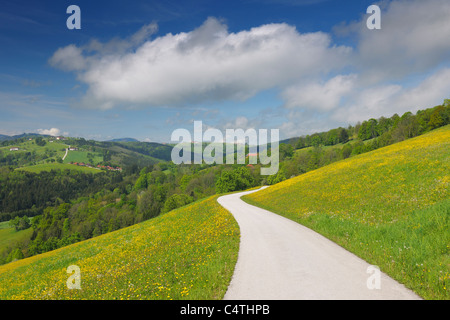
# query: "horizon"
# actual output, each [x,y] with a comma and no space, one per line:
[143,71]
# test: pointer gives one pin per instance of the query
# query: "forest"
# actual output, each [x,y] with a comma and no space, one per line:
[65,206]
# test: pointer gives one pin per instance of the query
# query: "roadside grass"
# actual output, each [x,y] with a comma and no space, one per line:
[188,253]
[390,207]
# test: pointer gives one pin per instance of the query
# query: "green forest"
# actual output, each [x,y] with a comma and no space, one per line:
[66,206]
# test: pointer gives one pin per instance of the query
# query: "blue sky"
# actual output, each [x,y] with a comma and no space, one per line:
[142,69]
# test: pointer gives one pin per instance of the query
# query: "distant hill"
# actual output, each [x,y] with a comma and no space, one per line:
[35,149]
[4,137]
[123,140]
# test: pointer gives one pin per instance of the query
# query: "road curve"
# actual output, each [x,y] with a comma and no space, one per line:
[280,259]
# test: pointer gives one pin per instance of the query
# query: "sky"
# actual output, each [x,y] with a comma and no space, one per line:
[142,69]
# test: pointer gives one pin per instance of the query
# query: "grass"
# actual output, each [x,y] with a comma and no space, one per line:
[8,235]
[390,206]
[188,253]
[335,146]
[82,156]
[30,146]
[57,166]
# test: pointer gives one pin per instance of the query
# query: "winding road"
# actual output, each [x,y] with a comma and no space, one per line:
[280,259]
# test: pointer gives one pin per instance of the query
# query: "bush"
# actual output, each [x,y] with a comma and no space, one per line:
[176,201]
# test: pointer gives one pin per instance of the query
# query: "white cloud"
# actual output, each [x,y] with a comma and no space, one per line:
[206,64]
[319,96]
[69,58]
[402,67]
[365,102]
[51,132]
[413,38]
[385,100]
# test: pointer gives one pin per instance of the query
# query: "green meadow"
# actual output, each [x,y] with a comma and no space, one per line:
[188,253]
[57,166]
[390,206]
[83,156]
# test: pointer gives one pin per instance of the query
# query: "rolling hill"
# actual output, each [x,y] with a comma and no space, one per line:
[390,206]
[35,156]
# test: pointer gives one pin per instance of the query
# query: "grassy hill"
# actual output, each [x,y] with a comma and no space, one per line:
[57,166]
[53,150]
[188,253]
[390,206]
[8,235]
[40,156]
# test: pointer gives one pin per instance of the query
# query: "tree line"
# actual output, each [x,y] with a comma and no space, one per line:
[26,193]
[363,137]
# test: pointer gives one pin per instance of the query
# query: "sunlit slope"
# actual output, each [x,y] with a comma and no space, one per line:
[390,206]
[188,253]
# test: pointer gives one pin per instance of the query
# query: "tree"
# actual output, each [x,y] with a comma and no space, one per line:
[384,124]
[40,142]
[141,182]
[176,201]
[20,223]
[346,151]
[16,254]
[436,119]
[343,135]
[301,143]
[362,132]
[234,180]
[276,178]
[286,151]
[331,137]
[316,140]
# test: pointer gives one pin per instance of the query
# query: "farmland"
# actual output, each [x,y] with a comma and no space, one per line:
[83,156]
[57,166]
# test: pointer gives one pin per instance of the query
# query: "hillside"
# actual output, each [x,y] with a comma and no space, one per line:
[188,253]
[57,166]
[31,150]
[390,206]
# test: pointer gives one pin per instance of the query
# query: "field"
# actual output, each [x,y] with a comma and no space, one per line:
[58,166]
[188,253]
[390,206]
[9,235]
[83,156]
[54,150]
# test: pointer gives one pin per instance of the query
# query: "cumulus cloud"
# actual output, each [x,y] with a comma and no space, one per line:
[323,96]
[51,132]
[69,58]
[413,38]
[385,100]
[403,67]
[365,102]
[321,84]
[206,64]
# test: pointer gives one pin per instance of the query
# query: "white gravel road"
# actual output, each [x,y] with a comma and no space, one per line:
[280,259]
